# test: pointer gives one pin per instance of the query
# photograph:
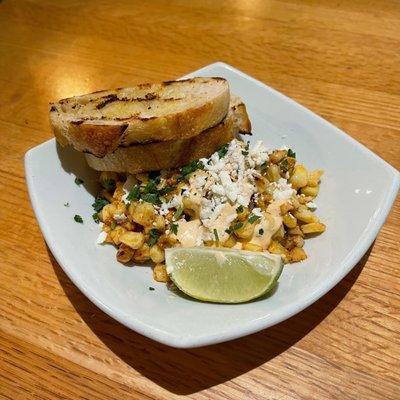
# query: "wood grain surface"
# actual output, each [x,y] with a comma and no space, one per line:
[339,58]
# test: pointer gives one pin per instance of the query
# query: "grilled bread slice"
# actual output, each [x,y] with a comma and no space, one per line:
[99,122]
[175,153]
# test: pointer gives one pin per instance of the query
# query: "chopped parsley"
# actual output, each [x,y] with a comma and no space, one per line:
[151,288]
[216,235]
[150,186]
[188,169]
[174,228]
[66,204]
[223,150]
[240,209]
[108,184]
[253,218]
[149,193]
[99,203]
[178,213]
[291,153]
[151,198]
[154,236]
[95,217]
[284,164]
[78,218]
[134,194]
[113,225]
[166,190]
[261,231]
[235,227]
[78,181]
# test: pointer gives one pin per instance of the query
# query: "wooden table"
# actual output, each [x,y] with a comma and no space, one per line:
[339,58]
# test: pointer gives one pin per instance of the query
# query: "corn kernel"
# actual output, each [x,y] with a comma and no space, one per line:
[124,253]
[314,177]
[156,254]
[299,177]
[289,220]
[134,240]
[310,190]
[251,247]
[297,254]
[314,227]
[160,273]
[246,231]
[142,254]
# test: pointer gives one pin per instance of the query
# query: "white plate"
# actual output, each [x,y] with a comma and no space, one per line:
[357,191]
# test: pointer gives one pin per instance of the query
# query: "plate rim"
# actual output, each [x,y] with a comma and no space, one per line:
[164,337]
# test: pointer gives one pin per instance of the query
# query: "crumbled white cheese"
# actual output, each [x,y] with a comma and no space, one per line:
[282,190]
[101,238]
[257,212]
[224,184]
[128,186]
[175,202]
[311,205]
[120,217]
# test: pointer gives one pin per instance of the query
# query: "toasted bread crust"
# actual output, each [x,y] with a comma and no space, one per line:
[175,153]
[100,132]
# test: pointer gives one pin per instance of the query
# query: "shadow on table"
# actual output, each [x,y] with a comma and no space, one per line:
[188,371]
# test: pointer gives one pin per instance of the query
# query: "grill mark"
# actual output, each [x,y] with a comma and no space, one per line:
[107,99]
[78,122]
[167,83]
[123,129]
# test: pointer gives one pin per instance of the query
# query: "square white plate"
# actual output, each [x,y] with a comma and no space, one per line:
[357,192]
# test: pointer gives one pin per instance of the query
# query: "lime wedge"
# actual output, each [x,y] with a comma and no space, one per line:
[222,275]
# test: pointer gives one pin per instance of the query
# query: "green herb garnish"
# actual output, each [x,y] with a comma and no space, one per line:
[174,228]
[216,235]
[154,236]
[134,194]
[223,150]
[291,153]
[151,198]
[78,218]
[188,169]
[151,288]
[113,225]
[99,203]
[108,184]
[166,190]
[95,217]
[178,213]
[240,209]
[254,218]
[235,227]
[78,181]
[245,153]
[66,204]
[284,165]
[150,187]
[261,231]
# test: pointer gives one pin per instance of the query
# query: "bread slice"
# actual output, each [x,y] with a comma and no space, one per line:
[99,122]
[175,153]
